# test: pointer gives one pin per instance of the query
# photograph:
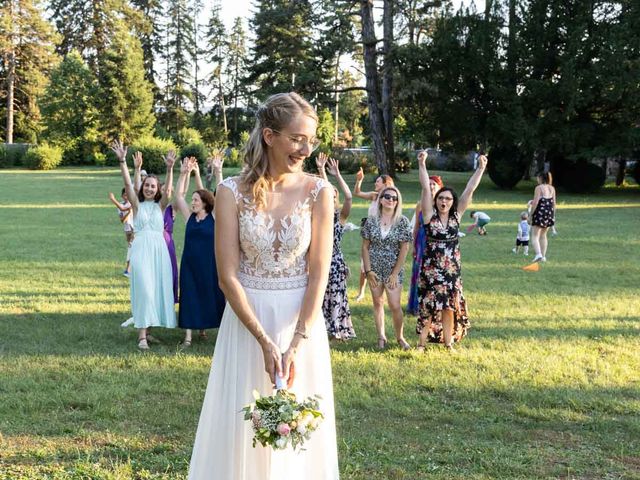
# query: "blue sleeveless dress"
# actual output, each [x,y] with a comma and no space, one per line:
[201,300]
[151,276]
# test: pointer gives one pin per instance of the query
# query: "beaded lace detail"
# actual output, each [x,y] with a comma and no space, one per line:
[274,241]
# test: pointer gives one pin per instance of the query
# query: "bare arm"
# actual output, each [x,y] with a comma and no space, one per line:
[537,193]
[474,181]
[117,204]
[183,186]
[371,196]
[228,261]
[366,263]
[402,256]
[216,164]
[319,261]
[137,168]
[426,198]
[196,168]
[321,162]
[334,169]
[169,160]
[121,152]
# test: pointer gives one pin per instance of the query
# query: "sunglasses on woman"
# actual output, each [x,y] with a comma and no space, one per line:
[393,198]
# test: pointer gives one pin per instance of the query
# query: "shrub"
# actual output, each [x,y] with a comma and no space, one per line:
[234,158]
[581,176]
[43,157]
[456,162]
[506,166]
[186,136]
[79,151]
[635,172]
[153,150]
[12,154]
[198,150]
[350,161]
[404,161]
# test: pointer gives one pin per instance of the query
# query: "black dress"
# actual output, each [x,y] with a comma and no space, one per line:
[335,307]
[544,215]
[440,283]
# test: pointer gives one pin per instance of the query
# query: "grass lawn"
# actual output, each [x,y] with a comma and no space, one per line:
[546,385]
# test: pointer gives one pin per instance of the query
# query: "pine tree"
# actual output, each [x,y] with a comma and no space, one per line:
[237,64]
[69,104]
[126,105]
[150,34]
[216,51]
[27,44]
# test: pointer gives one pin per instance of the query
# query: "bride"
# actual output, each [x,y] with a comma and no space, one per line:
[273,243]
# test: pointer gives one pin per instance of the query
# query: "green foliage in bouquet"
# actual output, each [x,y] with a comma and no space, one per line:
[280,420]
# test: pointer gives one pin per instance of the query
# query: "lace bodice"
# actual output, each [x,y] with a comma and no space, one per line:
[274,240]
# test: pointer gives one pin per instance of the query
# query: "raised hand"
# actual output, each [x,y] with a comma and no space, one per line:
[119,149]
[321,160]
[137,160]
[185,168]
[359,176]
[216,162]
[112,197]
[482,161]
[170,158]
[422,157]
[333,169]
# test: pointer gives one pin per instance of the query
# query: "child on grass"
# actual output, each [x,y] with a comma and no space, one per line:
[522,239]
[126,218]
[481,220]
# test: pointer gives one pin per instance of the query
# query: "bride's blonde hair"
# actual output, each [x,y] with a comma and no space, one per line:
[275,113]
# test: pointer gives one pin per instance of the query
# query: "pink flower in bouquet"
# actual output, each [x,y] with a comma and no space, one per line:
[284,429]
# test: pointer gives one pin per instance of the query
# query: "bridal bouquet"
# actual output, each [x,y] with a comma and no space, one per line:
[280,420]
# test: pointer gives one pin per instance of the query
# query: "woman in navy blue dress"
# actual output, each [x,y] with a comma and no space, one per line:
[201,300]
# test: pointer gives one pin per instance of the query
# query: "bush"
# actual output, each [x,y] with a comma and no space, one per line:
[43,157]
[404,161]
[12,154]
[350,161]
[187,136]
[198,150]
[153,150]
[635,173]
[234,159]
[580,176]
[506,166]
[456,162]
[80,152]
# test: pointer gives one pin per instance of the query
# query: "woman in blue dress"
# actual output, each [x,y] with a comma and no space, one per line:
[201,300]
[151,277]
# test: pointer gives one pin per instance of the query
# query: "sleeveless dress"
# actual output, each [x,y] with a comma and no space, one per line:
[418,248]
[151,288]
[168,238]
[335,306]
[544,215]
[201,300]
[440,280]
[384,250]
[274,242]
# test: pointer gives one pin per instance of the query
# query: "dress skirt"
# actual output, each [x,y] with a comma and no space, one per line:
[223,446]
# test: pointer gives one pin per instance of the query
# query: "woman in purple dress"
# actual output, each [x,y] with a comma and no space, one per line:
[169,217]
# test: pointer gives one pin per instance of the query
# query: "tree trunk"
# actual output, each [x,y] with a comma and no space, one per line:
[337,100]
[376,121]
[223,107]
[11,77]
[622,166]
[387,84]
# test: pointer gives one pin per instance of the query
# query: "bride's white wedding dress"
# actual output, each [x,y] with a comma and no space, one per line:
[273,271]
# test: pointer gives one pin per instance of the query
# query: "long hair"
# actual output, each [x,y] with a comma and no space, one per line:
[545,177]
[454,204]
[158,193]
[275,113]
[397,213]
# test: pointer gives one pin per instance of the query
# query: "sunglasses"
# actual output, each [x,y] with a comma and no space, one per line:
[393,198]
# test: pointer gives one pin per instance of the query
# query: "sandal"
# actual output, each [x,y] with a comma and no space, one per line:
[403,344]
[382,342]
[421,347]
[142,344]
[185,344]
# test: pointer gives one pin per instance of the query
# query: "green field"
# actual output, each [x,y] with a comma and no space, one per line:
[546,385]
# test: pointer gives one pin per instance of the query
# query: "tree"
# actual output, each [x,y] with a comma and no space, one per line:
[237,65]
[126,105]
[216,51]
[27,44]
[150,34]
[69,104]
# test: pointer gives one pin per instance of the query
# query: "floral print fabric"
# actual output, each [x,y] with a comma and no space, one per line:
[440,284]
[544,214]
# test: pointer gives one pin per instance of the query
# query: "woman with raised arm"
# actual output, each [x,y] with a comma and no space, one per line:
[151,286]
[335,307]
[440,278]
[201,300]
[273,251]
[381,182]
[544,215]
[386,239]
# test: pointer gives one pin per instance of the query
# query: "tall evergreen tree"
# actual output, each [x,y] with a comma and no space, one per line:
[27,43]
[150,34]
[216,52]
[126,105]
[236,67]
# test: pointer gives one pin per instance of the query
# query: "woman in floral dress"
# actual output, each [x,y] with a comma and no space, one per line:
[386,239]
[440,275]
[335,306]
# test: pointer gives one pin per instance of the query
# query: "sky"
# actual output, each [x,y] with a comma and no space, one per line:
[242,8]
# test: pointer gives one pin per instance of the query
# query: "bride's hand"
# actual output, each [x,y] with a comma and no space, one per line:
[272,359]
[289,365]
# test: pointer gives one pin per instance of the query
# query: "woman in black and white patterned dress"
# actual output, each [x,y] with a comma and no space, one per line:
[335,306]
[544,215]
